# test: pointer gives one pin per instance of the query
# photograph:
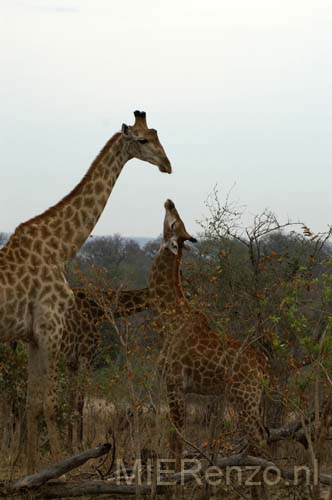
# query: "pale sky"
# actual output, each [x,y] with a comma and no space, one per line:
[240,92]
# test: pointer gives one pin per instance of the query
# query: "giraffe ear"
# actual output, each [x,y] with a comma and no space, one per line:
[173,246]
[126,131]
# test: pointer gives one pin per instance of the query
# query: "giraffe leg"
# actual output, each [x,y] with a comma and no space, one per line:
[250,422]
[36,382]
[42,384]
[51,408]
[71,408]
[251,427]
[79,409]
[75,410]
[177,415]
[84,367]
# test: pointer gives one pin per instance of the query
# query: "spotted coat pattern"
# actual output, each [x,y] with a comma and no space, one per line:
[194,357]
[34,294]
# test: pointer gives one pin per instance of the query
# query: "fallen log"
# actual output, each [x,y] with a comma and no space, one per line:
[54,471]
[93,488]
[292,431]
[67,489]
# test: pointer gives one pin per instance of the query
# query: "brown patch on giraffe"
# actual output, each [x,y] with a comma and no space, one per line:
[52,242]
[33,230]
[26,281]
[55,224]
[88,188]
[11,255]
[96,211]
[78,202]
[99,188]
[24,254]
[84,216]
[57,232]
[37,246]
[89,202]
[26,242]
[112,157]
[63,249]
[69,212]
[10,294]
[105,176]
[76,220]
[68,227]
[11,309]
[45,274]
[36,283]
[35,260]
[21,306]
[59,288]
[45,231]
[11,278]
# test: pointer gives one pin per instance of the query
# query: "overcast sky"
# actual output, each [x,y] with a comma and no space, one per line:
[240,92]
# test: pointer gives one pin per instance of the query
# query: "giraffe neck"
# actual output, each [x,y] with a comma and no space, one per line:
[105,304]
[127,302]
[166,292]
[59,233]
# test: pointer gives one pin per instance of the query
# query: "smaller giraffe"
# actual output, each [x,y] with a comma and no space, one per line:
[81,337]
[81,333]
[195,358]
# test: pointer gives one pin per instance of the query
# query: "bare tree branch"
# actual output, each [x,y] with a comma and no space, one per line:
[57,470]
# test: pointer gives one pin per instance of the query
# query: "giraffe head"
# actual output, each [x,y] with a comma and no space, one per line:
[143,143]
[175,233]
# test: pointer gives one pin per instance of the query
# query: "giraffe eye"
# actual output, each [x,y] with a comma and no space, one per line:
[143,141]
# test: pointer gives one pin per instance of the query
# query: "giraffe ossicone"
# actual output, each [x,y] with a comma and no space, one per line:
[34,294]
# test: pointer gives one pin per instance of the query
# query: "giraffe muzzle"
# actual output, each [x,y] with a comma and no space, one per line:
[166,167]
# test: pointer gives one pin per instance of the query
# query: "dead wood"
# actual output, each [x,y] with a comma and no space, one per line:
[53,472]
[292,431]
[43,484]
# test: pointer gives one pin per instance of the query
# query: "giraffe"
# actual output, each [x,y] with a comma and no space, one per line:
[81,337]
[81,332]
[195,358]
[34,294]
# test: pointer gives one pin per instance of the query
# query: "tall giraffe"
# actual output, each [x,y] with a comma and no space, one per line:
[34,294]
[194,358]
[81,337]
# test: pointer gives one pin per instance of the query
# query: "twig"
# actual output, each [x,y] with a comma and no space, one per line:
[102,476]
[179,433]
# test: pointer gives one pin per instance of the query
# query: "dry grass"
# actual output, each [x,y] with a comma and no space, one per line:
[142,430]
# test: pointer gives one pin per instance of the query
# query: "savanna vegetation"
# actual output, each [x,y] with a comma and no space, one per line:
[257,278]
